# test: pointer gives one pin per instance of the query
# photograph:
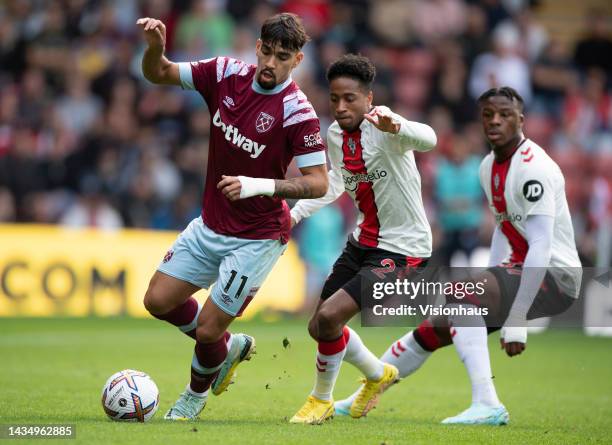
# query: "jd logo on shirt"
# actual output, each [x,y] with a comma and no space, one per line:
[533,190]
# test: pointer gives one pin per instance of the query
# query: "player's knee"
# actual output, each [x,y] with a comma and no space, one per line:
[154,302]
[312,328]
[327,323]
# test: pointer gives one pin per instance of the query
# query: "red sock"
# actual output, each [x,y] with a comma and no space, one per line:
[184,316]
[208,358]
[426,336]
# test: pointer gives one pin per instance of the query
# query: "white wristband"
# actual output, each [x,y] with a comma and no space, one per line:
[514,334]
[255,186]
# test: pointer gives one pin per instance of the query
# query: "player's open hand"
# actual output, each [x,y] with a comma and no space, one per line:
[513,339]
[230,186]
[383,120]
[154,31]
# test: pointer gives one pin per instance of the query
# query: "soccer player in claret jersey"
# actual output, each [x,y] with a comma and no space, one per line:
[534,270]
[260,121]
[371,154]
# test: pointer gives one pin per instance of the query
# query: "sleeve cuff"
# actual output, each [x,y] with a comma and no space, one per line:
[310,159]
[186,76]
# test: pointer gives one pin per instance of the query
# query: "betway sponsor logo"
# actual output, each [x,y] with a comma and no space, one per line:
[351,181]
[233,136]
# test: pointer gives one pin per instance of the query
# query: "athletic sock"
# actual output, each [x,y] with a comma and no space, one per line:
[469,334]
[205,365]
[406,354]
[228,339]
[184,316]
[361,357]
[329,360]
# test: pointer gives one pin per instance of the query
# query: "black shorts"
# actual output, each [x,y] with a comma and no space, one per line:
[360,266]
[549,301]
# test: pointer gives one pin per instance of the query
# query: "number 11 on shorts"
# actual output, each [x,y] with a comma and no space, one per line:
[243,281]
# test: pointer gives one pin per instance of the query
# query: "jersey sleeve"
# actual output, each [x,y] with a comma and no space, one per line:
[200,76]
[537,188]
[204,76]
[411,135]
[303,130]
[306,207]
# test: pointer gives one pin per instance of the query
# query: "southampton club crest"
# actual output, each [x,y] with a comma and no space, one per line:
[264,122]
[351,145]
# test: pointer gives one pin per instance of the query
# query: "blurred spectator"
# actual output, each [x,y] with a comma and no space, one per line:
[459,198]
[450,90]
[503,66]
[78,109]
[390,21]
[595,48]
[533,36]
[475,39]
[208,24]
[438,19]
[553,76]
[587,110]
[91,208]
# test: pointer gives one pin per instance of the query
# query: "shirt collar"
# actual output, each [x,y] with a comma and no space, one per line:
[277,89]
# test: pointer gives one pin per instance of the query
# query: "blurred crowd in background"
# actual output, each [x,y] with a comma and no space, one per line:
[86,141]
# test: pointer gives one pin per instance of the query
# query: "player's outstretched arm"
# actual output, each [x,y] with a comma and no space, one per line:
[408,135]
[155,66]
[313,184]
[306,207]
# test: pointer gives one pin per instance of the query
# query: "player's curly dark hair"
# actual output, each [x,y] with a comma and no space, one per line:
[507,92]
[284,28]
[354,66]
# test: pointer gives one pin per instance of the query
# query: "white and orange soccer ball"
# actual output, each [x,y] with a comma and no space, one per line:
[130,395]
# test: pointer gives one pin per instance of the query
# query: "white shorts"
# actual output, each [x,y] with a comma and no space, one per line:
[239,266]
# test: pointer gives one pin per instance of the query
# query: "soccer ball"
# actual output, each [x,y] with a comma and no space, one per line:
[130,395]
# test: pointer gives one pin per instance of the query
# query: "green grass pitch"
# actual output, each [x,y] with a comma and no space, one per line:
[52,371]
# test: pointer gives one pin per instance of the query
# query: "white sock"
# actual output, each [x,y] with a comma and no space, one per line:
[405,354]
[362,358]
[469,334]
[328,368]
[196,394]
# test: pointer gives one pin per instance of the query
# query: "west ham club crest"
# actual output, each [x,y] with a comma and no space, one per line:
[264,122]
[352,146]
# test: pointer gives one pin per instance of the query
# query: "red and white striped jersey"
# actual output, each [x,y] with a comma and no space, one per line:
[377,169]
[530,183]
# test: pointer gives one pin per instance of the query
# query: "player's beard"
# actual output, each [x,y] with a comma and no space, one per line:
[266,84]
